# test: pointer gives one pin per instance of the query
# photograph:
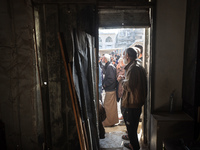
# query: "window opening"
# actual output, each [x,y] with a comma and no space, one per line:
[108,39]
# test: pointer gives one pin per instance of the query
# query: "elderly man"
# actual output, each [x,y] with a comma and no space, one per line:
[109,84]
[134,96]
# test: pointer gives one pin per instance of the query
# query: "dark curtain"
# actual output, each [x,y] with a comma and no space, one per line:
[59,121]
[83,75]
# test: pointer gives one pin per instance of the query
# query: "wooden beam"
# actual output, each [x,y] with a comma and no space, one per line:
[79,125]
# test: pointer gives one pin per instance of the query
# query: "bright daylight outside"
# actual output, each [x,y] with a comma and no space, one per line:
[112,43]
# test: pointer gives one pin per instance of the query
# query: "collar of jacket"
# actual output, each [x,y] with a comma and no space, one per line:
[106,65]
[129,64]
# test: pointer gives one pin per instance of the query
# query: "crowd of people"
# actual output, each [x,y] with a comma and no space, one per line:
[124,80]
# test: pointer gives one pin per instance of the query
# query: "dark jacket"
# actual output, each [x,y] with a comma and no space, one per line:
[110,81]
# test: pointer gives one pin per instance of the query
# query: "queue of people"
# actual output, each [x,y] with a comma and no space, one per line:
[124,79]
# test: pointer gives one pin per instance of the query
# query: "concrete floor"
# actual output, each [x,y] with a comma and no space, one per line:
[113,137]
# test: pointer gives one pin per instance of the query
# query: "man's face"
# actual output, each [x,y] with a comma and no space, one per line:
[125,58]
[104,59]
[121,62]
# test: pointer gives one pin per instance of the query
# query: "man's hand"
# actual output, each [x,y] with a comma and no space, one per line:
[120,77]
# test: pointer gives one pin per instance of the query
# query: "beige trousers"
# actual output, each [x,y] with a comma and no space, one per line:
[110,105]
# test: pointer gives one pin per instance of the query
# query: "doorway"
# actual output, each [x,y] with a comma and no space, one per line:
[114,41]
[50,21]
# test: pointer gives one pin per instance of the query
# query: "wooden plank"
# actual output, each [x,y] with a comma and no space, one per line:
[74,99]
[41,65]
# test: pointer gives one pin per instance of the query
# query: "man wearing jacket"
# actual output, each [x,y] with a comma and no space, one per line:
[134,96]
[109,84]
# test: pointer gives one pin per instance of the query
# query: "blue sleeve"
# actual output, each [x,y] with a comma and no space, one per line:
[100,79]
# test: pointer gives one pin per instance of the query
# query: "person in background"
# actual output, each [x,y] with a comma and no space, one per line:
[109,84]
[117,57]
[140,55]
[111,58]
[102,65]
[120,77]
[100,80]
[114,62]
[134,96]
[102,114]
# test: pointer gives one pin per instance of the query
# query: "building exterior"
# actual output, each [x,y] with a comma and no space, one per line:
[125,38]
[107,40]
[118,41]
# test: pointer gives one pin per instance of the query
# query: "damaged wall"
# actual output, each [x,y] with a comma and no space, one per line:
[168,53]
[191,81]
[60,128]
[21,111]
[35,103]
[190,58]
[17,76]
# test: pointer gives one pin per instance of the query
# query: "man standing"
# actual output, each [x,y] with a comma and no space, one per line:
[134,96]
[109,83]
[140,54]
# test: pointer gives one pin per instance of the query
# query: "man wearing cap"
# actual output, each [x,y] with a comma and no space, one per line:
[134,95]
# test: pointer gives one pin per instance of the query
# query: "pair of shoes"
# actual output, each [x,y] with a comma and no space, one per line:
[125,137]
[128,145]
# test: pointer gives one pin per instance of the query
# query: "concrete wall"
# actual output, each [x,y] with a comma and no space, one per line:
[17,76]
[168,53]
[31,119]
[104,37]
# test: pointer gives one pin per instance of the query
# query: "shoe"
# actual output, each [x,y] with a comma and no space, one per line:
[102,136]
[128,145]
[125,137]
[122,123]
